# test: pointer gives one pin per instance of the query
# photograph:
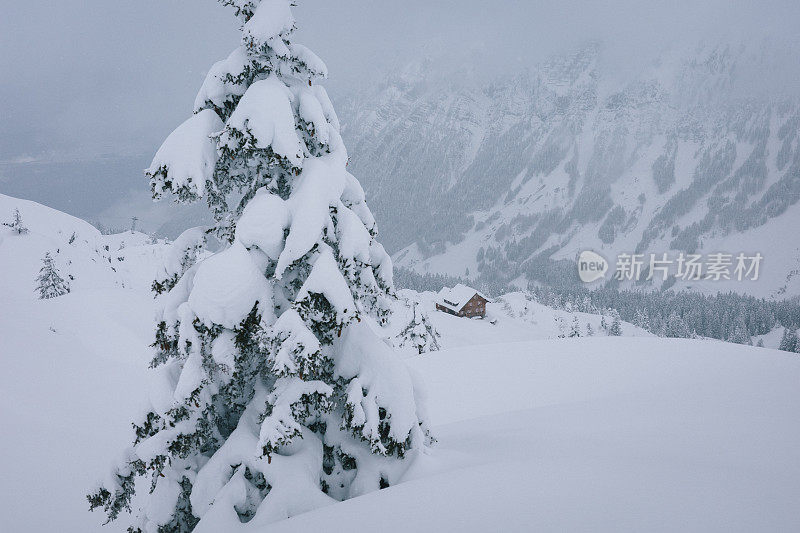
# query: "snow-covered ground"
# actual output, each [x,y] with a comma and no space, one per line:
[603,434]
[595,433]
[74,367]
[511,317]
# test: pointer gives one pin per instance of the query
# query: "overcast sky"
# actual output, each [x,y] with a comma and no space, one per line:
[79,78]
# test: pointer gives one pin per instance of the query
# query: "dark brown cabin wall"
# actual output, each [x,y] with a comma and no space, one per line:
[475,306]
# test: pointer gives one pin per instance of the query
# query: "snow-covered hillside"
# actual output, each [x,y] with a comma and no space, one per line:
[513,317]
[71,365]
[92,260]
[611,434]
[627,433]
[509,177]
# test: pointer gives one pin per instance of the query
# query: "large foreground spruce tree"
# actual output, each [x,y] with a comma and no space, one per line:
[276,395]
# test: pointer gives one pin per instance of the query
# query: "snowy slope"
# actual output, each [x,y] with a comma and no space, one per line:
[624,433]
[506,178]
[93,260]
[74,367]
[611,434]
[510,318]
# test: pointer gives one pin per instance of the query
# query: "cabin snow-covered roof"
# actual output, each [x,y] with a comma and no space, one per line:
[457,297]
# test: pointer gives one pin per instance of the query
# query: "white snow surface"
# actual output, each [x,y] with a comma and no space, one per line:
[226,287]
[271,19]
[263,222]
[291,326]
[633,433]
[266,110]
[353,237]
[318,188]
[326,279]
[375,369]
[215,88]
[609,434]
[189,153]
[312,61]
[311,111]
[188,245]
[325,101]
[74,367]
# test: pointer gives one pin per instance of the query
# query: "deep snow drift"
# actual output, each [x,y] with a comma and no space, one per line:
[594,433]
[71,365]
[603,434]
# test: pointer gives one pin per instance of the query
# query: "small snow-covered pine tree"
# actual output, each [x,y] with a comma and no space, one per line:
[575,329]
[642,319]
[278,395]
[420,333]
[740,335]
[589,330]
[561,327]
[49,282]
[179,257]
[615,329]
[16,224]
[789,341]
[676,327]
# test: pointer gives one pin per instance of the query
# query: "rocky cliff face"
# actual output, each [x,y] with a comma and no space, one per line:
[510,178]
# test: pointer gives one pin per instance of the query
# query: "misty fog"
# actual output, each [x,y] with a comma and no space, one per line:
[85,78]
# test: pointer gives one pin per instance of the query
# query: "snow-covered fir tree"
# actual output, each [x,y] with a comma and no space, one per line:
[278,394]
[562,328]
[739,335]
[420,333]
[589,330]
[789,341]
[49,283]
[642,319]
[676,327]
[181,255]
[575,328]
[16,224]
[615,329]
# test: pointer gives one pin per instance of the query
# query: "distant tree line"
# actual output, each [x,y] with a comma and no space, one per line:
[405,278]
[726,316]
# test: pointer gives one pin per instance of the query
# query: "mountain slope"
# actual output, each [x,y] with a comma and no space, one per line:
[74,367]
[505,179]
[630,432]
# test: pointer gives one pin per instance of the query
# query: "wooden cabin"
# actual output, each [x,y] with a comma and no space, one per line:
[461,301]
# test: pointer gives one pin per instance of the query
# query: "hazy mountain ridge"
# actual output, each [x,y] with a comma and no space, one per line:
[503,178]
